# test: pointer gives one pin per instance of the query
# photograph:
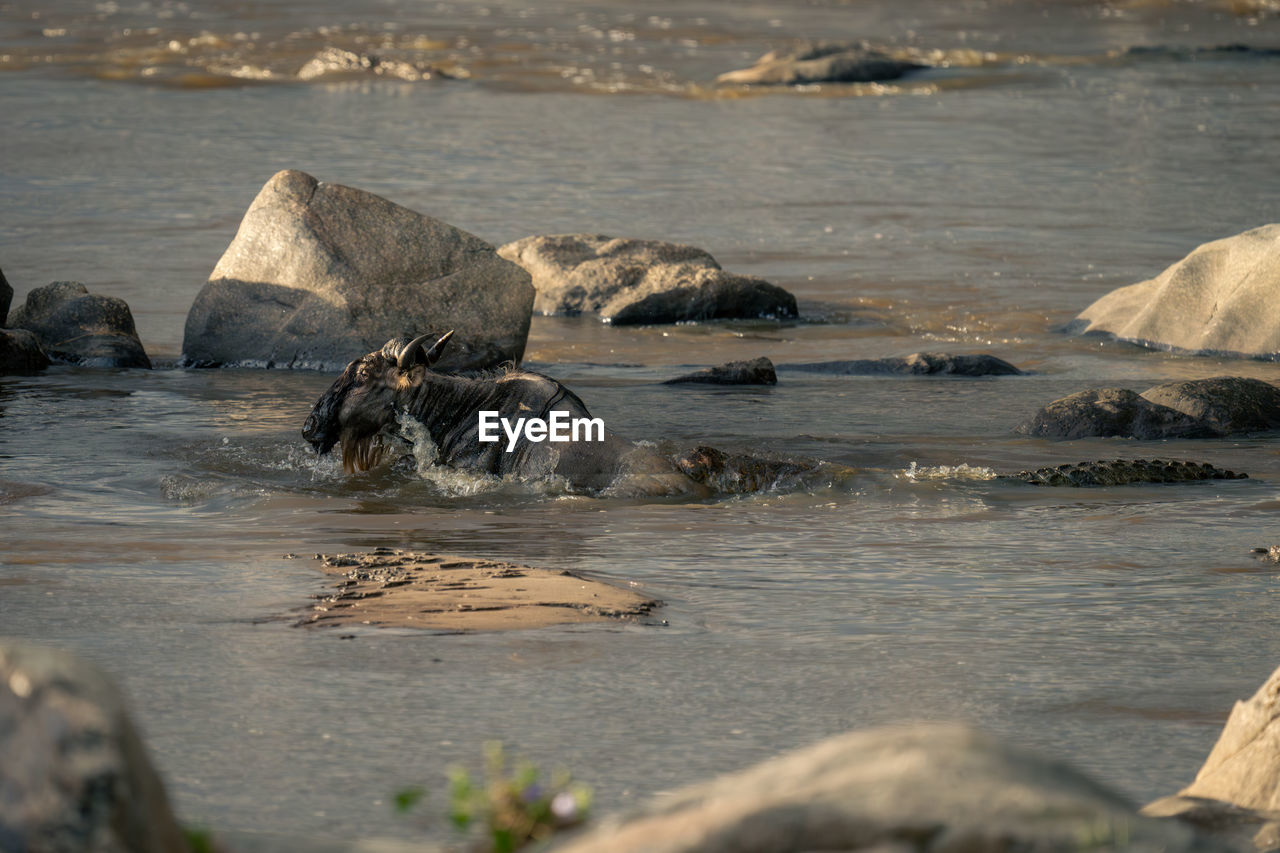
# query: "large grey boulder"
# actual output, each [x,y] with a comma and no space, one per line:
[20,352]
[6,298]
[74,776]
[1196,408]
[916,364]
[1222,298]
[80,327]
[823,62]
[320,274]
[628,281]
[921,788]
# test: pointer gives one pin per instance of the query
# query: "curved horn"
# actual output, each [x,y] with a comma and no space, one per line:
[437,349]
[412,350]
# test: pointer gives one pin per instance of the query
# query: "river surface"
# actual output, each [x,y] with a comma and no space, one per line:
[145,517]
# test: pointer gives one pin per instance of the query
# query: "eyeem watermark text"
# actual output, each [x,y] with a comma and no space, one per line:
[558,427]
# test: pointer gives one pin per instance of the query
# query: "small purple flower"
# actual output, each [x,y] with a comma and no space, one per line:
[531,794]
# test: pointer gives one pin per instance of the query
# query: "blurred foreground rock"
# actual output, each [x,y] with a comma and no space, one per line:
[79,327]
[628,281]
[73,774]
[319,274]
[1223,298]
[918,788]
[6,298]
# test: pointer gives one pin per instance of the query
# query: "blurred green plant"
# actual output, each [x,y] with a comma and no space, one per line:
[511,808]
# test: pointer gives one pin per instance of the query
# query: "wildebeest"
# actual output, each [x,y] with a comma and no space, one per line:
[367,407]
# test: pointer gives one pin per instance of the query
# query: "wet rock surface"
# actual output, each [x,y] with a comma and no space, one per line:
[20,352]
[319,273]
[1197,408]
[79,327]
[6,298]
[1121,472]
[407,589]
[1220,299]
[758,371]
[626,281]
[916,364]
[74,774]
[823,62]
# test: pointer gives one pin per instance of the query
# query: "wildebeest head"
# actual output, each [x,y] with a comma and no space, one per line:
[362,401]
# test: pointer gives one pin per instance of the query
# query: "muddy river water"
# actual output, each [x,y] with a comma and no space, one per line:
[145,516]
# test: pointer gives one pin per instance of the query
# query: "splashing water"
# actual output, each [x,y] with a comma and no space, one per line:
[963,471]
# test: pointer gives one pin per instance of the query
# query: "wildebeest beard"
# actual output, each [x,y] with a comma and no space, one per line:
[363,410]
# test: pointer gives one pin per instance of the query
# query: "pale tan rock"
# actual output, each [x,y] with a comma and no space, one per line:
[1244,766]
[1224,297]
[319,274]
[627,281]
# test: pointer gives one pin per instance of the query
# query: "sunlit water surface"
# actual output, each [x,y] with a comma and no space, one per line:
[146,516]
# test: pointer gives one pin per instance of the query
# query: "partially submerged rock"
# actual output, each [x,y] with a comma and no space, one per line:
[1227,404]
[1220,299]
[319,274]
[78,327]
[627,281]
[6,298]
[916,364]
[20,352]
[758,371]
[1120,472]
[1197,408]
[75,775]
[405,589]
[823,62]
[919,788]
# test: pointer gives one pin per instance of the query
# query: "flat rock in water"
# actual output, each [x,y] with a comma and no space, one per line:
[823,62]
[406,589]
[919,788]
[1227,404]
[6,298]
[74,774]
[758,371]
[1220,299]
[20,352]
[79,327]
[319,274]
[916,364]
[628,281]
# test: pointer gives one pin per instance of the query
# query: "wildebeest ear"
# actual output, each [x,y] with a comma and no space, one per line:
[437,349]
